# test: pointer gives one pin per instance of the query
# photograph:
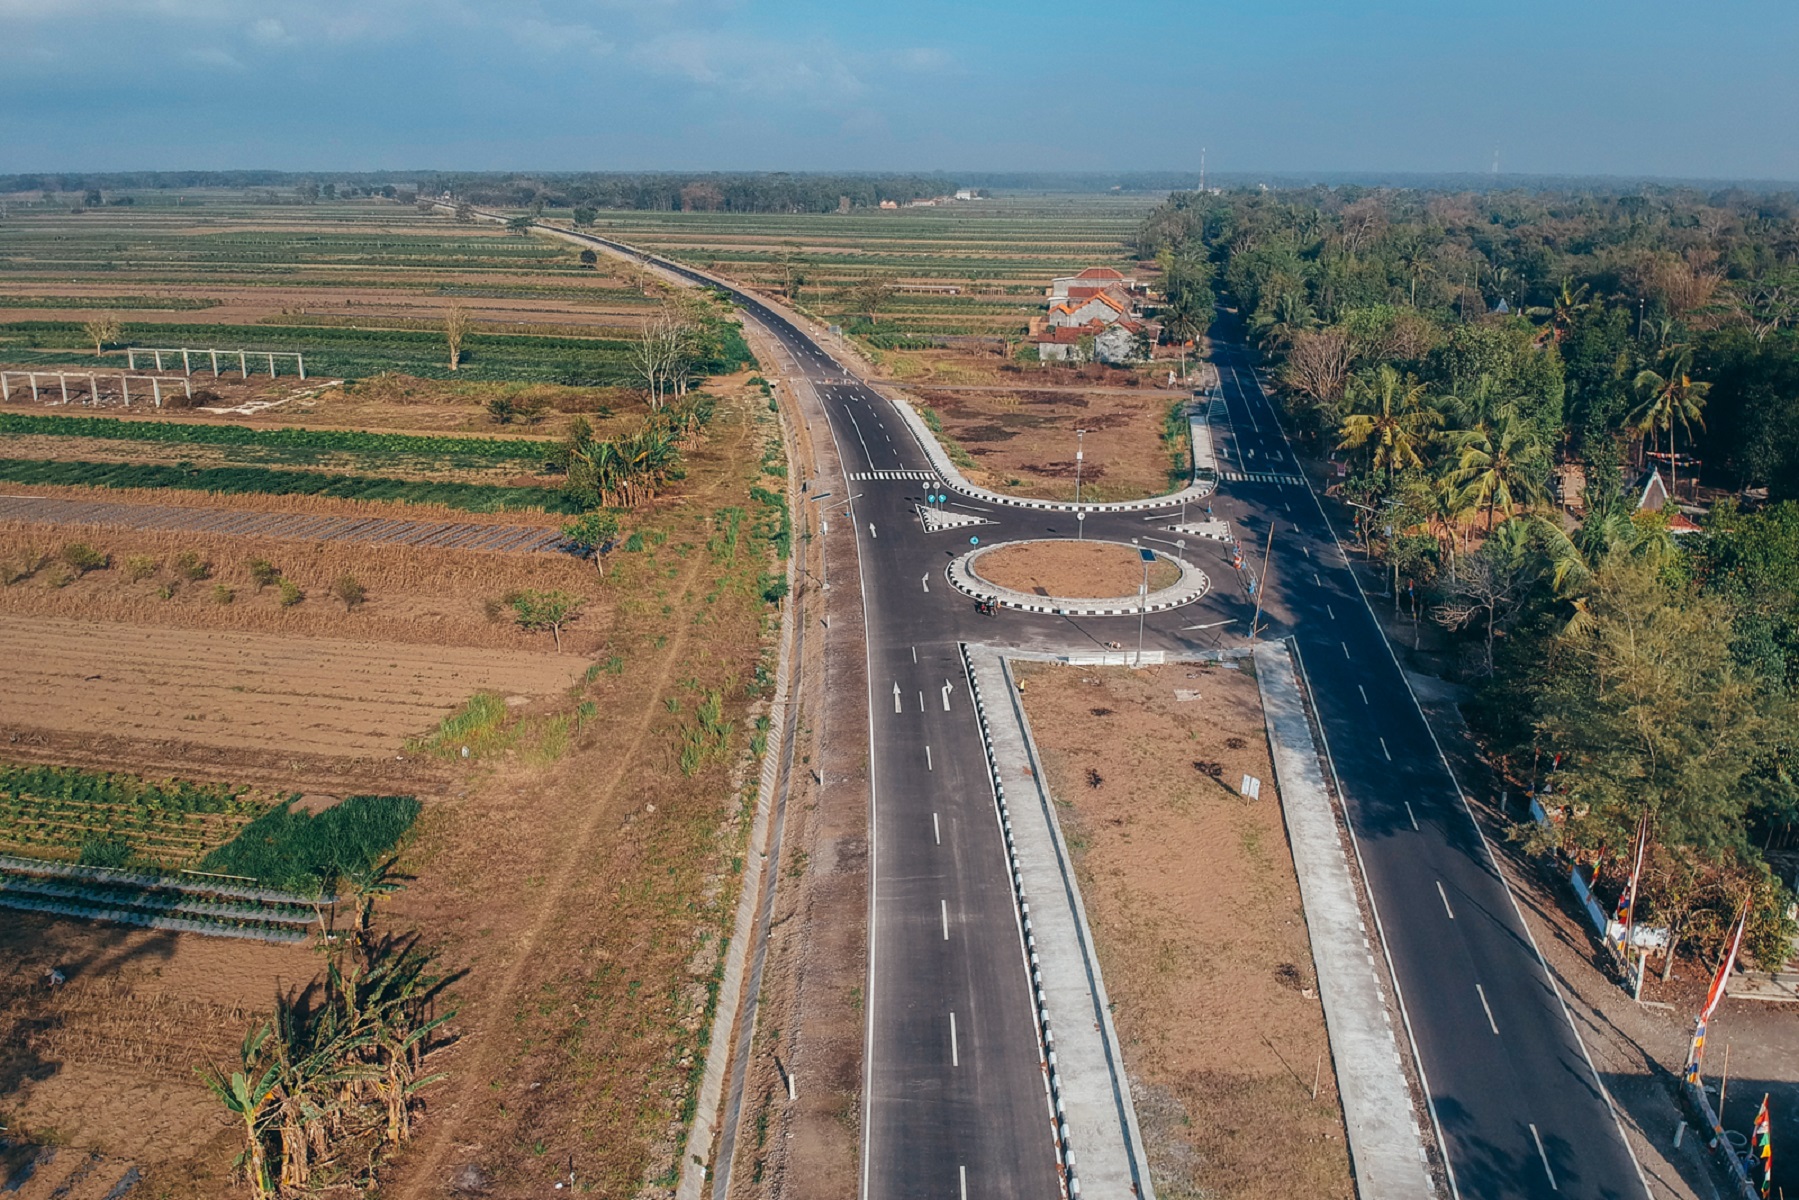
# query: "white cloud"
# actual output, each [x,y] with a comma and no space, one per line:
[549,37]
[924,58]
[269,32]
[813,70]
[213,56]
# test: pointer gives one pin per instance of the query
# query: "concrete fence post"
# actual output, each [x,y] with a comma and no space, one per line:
[189,385]
[301,360]
[125,386]
[130,358]
[156,387]
[158,355]
[215,363]
[93,390]
[187,368]
[63,381]
[271,366]
[243,365]
[5,387]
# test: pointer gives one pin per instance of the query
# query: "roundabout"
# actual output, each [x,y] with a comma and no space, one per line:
[1046,576]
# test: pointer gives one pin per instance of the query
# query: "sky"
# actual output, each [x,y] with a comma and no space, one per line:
[1578,87]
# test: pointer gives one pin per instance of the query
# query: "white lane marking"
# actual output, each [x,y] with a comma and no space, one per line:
[964,1172]
[927,583]
[1445,896]
[946,691]
[1317,580]
[1364,691]
[1345,646]
[1553,1185]
[1289,506]
[945,904]
[1331,611]
[915,654]
[921,702]
[1411,814]
[871,529]
[927,759]
[1494,1026]
[1308,551]
[955,1056]
[896,699]
[937,832]
[1385,751]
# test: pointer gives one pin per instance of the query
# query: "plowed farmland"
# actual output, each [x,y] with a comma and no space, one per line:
[313,695]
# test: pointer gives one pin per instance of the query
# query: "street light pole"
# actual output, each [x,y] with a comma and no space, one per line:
[1079,434]
[1148,556]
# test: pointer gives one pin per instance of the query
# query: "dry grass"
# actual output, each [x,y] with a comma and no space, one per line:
[315,505]
[1088,570]
[1195,909]
[415,596]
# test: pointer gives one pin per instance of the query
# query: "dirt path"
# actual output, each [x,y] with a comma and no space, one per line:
[486,1053]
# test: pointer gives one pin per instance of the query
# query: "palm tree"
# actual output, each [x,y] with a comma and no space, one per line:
[1563,311]
[1393,415]
[1500,464]
[1668,399]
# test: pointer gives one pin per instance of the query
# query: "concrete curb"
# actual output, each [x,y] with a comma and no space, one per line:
[1385,1145]
[1084,1069]
[1192,585]
[940,459]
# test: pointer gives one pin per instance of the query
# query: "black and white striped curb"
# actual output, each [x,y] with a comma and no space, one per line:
[1197,490]
[1192,585]
[1046,1037]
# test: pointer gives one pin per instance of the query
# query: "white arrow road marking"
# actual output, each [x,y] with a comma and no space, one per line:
[927,583]
[947,688]
[871,529]
[896,699]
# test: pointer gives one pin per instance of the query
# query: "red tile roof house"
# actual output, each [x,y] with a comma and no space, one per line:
[1089,282]
[1106,307]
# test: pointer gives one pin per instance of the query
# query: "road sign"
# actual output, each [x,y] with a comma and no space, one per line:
[974,541]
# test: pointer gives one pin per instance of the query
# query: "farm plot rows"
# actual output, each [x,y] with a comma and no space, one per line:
[448,535]
[453,450]
[245,691]
[470,497]
[57,812]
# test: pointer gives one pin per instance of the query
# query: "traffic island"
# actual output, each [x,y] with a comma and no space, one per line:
[1001,575]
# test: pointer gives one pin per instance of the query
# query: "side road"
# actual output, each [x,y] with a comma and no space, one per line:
[1384,1139]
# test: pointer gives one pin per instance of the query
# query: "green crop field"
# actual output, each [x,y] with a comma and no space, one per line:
[291,444]
[311,853]
[469,497]
[105,819]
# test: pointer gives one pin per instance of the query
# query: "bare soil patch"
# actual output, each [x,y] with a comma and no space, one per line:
[1195,909]
[313,695]
[1075,569]
[1023,441]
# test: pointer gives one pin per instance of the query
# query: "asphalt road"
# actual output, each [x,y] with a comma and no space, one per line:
[955,1091]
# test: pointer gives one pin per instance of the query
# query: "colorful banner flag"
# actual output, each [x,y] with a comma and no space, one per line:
[1762,1144]
[1715,997]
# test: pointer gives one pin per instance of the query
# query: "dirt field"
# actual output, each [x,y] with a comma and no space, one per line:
[312,695]
[1023,441]
[1195,910]
[1085,570]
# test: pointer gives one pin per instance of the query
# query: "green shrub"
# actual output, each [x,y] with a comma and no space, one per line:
[222,594]
[347,589]
[263,572]
[83,558]
[140,567]
[290,593]
[192,567]
[301,852]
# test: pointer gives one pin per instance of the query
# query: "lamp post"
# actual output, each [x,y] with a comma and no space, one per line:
[824,527]
[1148,556]
[1079,434]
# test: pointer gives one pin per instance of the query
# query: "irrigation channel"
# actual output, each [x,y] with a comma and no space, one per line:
[299,527]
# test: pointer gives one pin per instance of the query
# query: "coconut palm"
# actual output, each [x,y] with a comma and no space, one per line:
[1562,311]
[1500,465]
[1393,415]
[1669,398]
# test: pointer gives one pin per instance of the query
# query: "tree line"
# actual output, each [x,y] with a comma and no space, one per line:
[1472,359]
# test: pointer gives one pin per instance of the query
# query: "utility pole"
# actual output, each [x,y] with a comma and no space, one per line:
[1255,623]
[1079,435]
[1148,557]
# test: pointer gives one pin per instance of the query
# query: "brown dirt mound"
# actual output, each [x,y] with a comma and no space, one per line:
[1071,568]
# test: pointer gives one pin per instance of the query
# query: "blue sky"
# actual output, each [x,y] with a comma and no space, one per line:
[1571,87]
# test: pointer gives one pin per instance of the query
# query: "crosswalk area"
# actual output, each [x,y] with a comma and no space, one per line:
[1260,477]
[917,476]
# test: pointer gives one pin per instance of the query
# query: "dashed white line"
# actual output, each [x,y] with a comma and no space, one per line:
[921,702]
[1345,646]
[937,832]
[1317,580]
[964,1173]
[955,1056]
[1553,1185]
[927,759]
[1410,814]
[1384,750]
[915,654]
[945,904]
[1445,896]
[1331,611]
[1494,1026]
